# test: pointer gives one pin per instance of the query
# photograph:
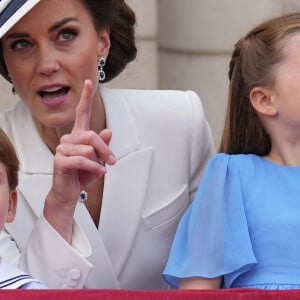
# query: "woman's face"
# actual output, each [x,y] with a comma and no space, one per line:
[49,53]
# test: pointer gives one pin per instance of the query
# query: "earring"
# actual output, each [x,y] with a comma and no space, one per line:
[13,90]
[101,64]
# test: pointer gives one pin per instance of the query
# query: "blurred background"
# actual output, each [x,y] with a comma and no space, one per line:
[187,45]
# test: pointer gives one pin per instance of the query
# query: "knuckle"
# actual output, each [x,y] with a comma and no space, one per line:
[92,136]
[89,152]
[59,148]
[64,138]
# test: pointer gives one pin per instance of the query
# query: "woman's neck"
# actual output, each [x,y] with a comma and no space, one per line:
[51,136]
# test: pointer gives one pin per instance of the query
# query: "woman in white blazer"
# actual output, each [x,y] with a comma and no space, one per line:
[135,184]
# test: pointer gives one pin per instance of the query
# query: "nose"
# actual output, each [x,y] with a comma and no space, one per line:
[47,62]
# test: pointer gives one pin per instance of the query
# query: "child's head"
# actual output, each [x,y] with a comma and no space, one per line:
[9,166]
[253,69]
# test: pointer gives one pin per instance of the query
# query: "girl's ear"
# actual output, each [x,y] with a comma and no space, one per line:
[263,102]
[12,206]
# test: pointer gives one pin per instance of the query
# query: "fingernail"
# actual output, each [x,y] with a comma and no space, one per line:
[111,159]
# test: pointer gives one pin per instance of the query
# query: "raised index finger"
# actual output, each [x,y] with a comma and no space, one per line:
[84,108]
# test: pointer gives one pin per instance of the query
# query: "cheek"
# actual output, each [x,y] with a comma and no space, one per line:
[289,96]
[22,85]
[86,60]
[89,67]
[3,209]
[20,75]
[19,67]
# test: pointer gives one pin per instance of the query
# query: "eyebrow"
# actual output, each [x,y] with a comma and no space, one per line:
[51,29]
[61,23]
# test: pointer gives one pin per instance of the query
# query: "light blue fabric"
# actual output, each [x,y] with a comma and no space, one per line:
[244,224]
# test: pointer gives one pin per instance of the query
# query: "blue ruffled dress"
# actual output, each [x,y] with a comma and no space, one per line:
[244,224]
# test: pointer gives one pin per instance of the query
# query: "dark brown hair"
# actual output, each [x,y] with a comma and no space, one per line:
[9,158]
[120,19]
[253,64]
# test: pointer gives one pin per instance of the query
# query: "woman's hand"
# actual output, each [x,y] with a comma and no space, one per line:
[80,159]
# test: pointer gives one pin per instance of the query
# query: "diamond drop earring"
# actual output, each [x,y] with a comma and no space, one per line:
[101,64]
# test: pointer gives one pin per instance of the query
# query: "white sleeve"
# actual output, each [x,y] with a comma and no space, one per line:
[52,260]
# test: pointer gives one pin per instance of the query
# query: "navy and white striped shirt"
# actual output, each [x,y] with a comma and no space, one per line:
[14,278]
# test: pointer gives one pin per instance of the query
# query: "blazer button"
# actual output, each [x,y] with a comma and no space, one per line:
[72,279]
[74,274]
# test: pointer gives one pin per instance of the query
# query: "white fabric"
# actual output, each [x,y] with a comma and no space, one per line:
[162,142]
[13,278]
[3,4]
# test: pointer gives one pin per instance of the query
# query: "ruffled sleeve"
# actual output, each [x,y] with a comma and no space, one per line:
[212,238]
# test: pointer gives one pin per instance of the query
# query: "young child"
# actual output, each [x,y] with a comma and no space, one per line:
[243,228]
[10,276]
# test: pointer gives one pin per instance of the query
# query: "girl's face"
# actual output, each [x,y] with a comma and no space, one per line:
[286,92]
[49,53]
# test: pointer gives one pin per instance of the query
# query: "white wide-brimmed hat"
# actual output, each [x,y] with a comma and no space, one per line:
[11,11]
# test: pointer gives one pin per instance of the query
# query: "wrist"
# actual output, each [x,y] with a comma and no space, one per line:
[60,215]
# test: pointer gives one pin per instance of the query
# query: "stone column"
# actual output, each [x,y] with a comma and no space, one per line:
[196,38]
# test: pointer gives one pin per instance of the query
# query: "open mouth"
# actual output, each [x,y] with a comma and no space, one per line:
[53,94]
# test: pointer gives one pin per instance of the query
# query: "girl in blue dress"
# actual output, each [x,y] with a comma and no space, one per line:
[243,228]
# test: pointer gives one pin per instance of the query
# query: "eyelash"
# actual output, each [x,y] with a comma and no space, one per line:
[71,32]
[14,45]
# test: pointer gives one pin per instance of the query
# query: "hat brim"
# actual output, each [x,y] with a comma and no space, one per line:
[13,12]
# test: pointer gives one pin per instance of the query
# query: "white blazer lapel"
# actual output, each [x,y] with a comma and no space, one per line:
[124,190]
[123,203]
[36,160]
[33,153]
[103,273]
[35,188]
[125,184]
